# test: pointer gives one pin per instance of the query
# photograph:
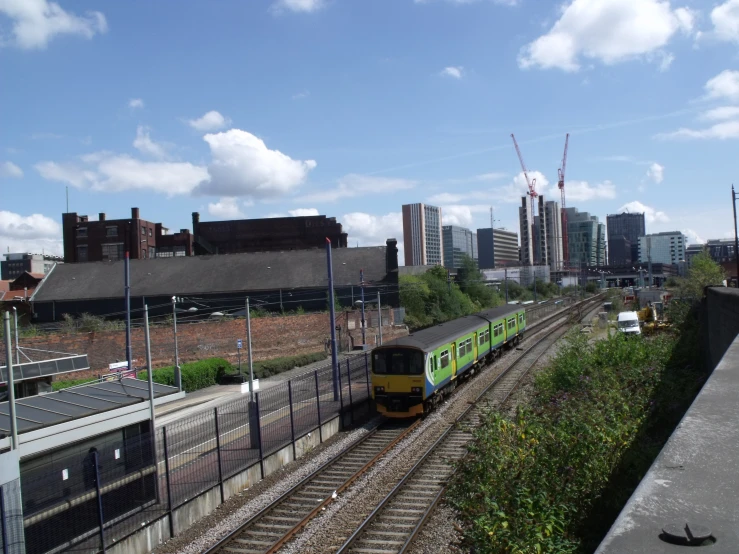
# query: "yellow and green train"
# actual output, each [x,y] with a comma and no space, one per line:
[412,374]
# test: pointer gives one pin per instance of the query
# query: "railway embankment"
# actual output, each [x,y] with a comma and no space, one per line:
[554,475]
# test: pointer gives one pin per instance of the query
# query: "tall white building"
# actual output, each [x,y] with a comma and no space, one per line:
[663,248]
[524,219]
[549,232]
[422,240]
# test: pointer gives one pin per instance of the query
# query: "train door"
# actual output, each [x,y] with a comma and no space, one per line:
[474,342]
[454,359]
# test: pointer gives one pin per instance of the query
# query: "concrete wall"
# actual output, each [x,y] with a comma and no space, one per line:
[721,321]
[154,534]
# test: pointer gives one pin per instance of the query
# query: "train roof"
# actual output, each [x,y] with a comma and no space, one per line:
[433,337]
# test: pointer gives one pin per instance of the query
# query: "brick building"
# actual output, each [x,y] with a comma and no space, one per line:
[265,235]
[109,239]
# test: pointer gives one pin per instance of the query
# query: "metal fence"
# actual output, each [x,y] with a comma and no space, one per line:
[90,500]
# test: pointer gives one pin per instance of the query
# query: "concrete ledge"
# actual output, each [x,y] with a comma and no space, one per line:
[694,479]
[154,534]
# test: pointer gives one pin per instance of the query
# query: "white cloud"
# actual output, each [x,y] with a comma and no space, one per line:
[723,85]
[36,22]
[301,95]
[242,165]
[373,230]
[226,208]
[211,121]
[461,214]
[722,131]
[445,198]
[10,170]
[693,237]
[609,31]
[582,191]
[650,214]
[35,233]
[134,103]
[297,6]
[461,2]
[303,212]
[109,172]
[656,172]
[721,113]
[512,192]
[725,18]
[665,61]
[353,185]
[145,145]
[455,72]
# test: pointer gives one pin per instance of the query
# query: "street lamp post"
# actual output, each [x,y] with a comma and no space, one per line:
[361,286]
[177,372]
[379,317]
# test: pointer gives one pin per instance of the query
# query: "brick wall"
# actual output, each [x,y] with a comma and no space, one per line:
[271,337]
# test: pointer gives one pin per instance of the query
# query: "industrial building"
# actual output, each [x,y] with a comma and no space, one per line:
[523,275]
[496,248]
[624,231]
[274,280]
[458,243]
[16,264]
[525,217]
[586,239]
[422,238]
[667,247]
[265,235]
[109,239]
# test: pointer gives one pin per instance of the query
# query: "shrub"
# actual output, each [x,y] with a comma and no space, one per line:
[65,384]
[532,481]
[278,365]
[195,375]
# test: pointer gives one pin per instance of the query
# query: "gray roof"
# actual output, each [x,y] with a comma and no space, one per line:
[36,412]
[213,274]
[433,337]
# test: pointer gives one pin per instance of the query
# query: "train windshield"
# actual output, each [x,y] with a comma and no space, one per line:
[397,361]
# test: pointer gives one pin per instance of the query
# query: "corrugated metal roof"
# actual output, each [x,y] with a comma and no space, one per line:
[36,412]
[213,274]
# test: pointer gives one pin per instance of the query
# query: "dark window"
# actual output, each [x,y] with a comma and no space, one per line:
[143,253]
[143,231]
[81,231]
[82,253]
[444,358]
[397,361]
[113,251]
[150,232]
[111,231]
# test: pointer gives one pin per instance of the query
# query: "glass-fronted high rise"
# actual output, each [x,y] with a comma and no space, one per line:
[422,234]
[458,243]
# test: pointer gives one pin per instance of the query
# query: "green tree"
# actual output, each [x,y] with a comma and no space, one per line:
[703,272]
[472,283]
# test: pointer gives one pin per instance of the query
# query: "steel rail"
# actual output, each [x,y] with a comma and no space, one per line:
[348,544]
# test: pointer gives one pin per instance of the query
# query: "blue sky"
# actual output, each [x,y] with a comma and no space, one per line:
[351,108]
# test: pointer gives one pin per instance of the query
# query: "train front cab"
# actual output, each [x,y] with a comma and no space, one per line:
[398,381]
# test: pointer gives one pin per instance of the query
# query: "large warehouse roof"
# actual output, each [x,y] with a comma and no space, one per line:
[213,274]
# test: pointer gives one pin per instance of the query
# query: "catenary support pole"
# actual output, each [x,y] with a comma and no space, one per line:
[149,372]
[17,348]
[379,317]
[505,273]
[127,293]
[332,312]
[11,383]
[177,372]
[361,286]
[253,408]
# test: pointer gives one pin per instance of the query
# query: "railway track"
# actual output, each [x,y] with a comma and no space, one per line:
[394,523]
[277,523]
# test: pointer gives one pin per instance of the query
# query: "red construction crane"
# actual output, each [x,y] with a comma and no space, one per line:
[532,194]
[561,185]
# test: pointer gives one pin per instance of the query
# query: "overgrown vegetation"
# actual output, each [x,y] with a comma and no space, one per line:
[703,272]
[430,299]
[195,375]
[276,366]
[66,383]
[554,477]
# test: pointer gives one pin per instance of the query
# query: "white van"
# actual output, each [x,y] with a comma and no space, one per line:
[628,323]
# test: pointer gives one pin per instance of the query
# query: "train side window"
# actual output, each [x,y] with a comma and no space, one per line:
[460,349]
[444,358]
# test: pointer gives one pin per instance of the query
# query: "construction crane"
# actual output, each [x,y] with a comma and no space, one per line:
[532,194]
[561,185]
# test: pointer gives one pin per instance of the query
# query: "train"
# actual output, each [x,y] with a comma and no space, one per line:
[413,374]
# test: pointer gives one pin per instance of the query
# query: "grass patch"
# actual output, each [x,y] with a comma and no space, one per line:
[555,476]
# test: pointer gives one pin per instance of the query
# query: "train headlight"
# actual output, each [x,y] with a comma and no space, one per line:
[379,390]
[416,390]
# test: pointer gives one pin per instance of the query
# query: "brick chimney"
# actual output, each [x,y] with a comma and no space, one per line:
[134,213]
[391,255]
[101,216]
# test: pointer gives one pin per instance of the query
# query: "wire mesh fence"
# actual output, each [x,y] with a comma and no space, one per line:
[90,499]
